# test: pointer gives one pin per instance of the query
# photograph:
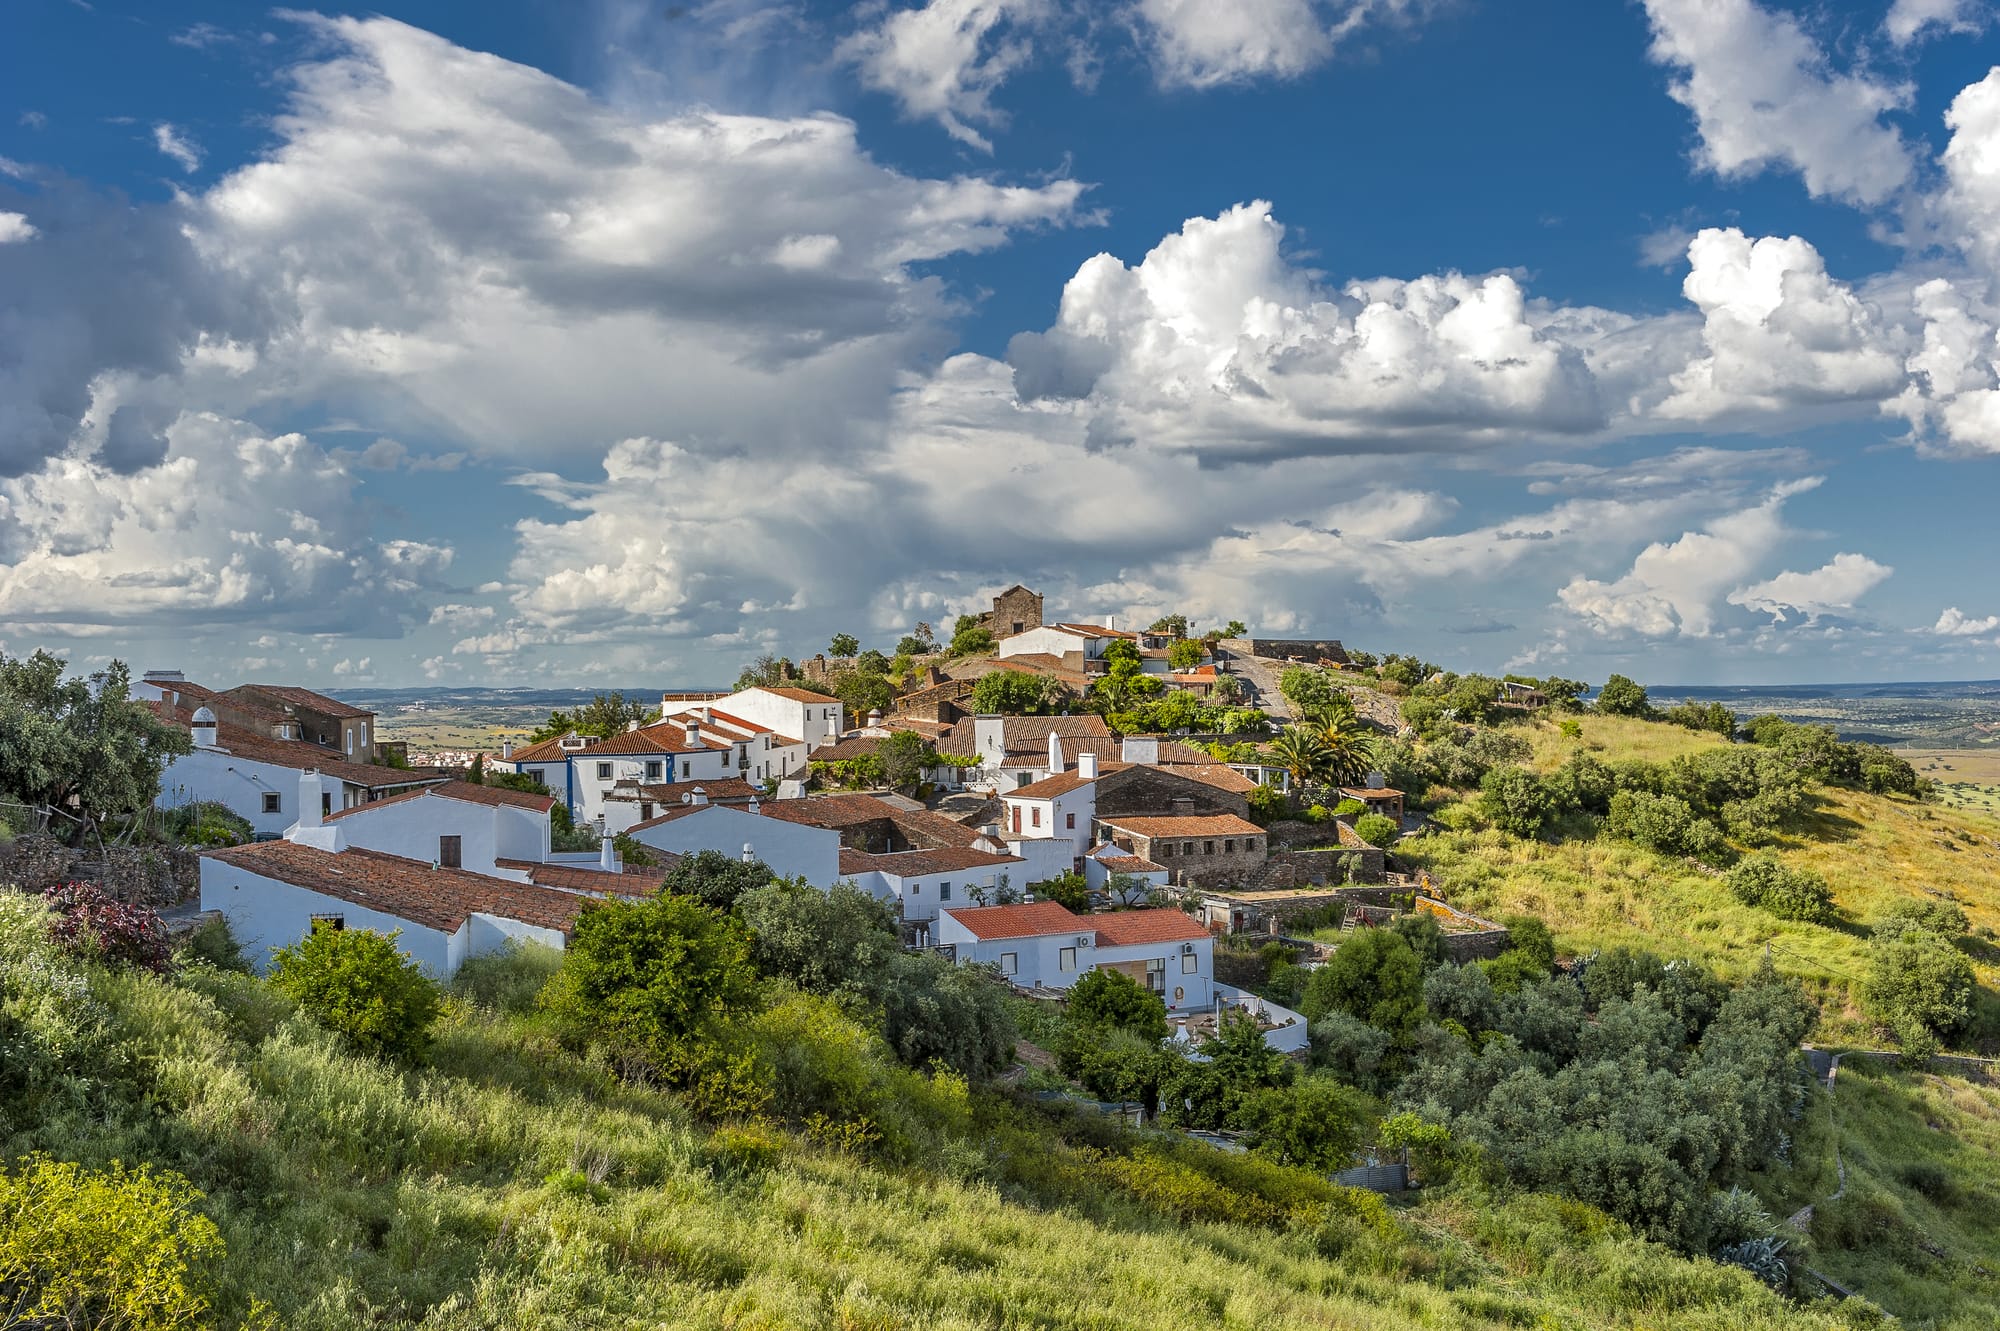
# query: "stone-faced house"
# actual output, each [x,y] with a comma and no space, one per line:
[1015,610]
[1194,847]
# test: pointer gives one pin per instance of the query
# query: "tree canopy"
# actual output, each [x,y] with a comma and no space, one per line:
[81,745]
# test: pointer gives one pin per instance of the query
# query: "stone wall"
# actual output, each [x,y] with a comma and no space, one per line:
[146,876]
[1311,650]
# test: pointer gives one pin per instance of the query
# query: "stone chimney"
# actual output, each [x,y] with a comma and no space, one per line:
[1086,765]
[203,729]
[1055,754]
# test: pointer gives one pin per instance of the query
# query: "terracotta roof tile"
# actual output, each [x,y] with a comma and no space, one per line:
[1123,928]
[1033,919]
[299,697]
[1049,787]
[463,791]
[1187,825]
[1129,864]
[633,881]
[300,756]
[441,899]
[915,863]
[796,695]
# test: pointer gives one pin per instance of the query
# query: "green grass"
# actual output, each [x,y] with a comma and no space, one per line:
[510,1184]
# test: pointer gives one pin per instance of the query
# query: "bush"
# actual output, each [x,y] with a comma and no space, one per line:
[935,1012]
[90,922]
[1112,1000]
[358,985]
[1789,894]
[211,943]
[836,942]
[510,980]
[1314,1123]
[715,879]
[1621,697]
[208,823]
[1514,800]
[1944,918]
[1663,823]
[1920,986]
[1349,808]
[1374,976]
[121,1248]
[1377,830]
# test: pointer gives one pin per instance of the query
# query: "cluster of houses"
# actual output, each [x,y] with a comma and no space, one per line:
[348,836]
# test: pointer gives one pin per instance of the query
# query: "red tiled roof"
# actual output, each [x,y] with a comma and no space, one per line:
[1033,919]
[1122,928]
[1220,775]
[1049,787]
[719,789]
[1129,864]
[463,791]
[298,697]
[634,881]
[1187,825]
[547,751]
[669,736]
[297,754]
[796,695]
[916,863]
[1094,631]
[1371,792]
[441,899]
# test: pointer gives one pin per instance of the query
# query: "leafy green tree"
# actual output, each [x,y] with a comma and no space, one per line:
[844,644]
[1425,937]
[1070,891]
[838,942]
[1185,654]
[475,775]
[969,637]
[360,986]
[1515,800]
[605,715]
[82,745]
[1314,1124]
[1583,783]
[1621,697]
[1377,830]
[1224,1091]
[1374,976]
[1473,698]
[716,880]
[935,1012]
[1111,1000]
[1350,752]
[1235,628]
[862,691]
[1174,626]
[1714,717]
[1125,681]
[1017,693]
[905,756]
[1664,823]
[1310,690]
[658,981]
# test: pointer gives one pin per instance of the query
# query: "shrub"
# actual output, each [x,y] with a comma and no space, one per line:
[1113,1000]
[358,985]
[1515,801]
[121,1248]
[1789,894]
[510,980]
[1377,830]
[1920,986]
[1663,823]
[1314,1123]
[208,823]
[90,922]
[211,943]
[1622,697]
[657,981]
[1944,918]
[935,1012]
[1374,976]
[834,942]
[1349,808]
[715,879]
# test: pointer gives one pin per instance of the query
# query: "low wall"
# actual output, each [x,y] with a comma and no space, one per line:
[1313,650]
[141,875]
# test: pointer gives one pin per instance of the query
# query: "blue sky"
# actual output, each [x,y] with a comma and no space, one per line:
[537,342]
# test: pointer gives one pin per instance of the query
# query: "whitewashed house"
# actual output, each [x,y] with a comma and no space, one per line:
[1044,945]
[922,882]
[1059,640]
[257,777]
[454,825]
[1108,861]
[789,849]
[1016,751]
[800,714]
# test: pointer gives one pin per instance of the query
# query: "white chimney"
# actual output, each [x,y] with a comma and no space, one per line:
[749,853]
[506,749]
[1055,754]
[692,729]
[1143,750]
[700,796]
[706,713]
[632,725]
[754,805]
[1086,765]
[203,728]
[312,829]
[310,791]
[607,853]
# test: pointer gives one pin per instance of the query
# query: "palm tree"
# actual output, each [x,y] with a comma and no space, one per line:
[1302,753]
[1350,753]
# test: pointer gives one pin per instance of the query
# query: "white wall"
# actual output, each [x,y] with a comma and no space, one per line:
[1039,960]
[807,722]
[790,849]
[240,783]
[265,914]
[1054,641]
[411,829]
[1286,1037]
[1045,858]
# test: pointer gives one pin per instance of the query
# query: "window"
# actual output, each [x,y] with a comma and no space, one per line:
[448,852]
[1166,850]
[1229,847]
[325,803]
[944,891]
[1066,959]
[1189,963]
[273,802]
[1072,822]
[1035,816]
[1156,975]
[916,889]
[645,811]
[604,771]
[334,922]
[1010,963]
[1250,843]
[1208,848]
[1021,779]
[653,769]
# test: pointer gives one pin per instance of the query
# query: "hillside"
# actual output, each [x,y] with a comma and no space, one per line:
[507,1183]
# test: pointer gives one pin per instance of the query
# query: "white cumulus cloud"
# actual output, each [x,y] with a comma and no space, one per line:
[1764,94]
[1831,589]
[14,228]
[174,143]
[1913,20]
[1955,623]
[944,59]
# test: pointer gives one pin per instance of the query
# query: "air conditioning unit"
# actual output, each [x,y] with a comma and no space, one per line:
[1187,949]
[1083,940]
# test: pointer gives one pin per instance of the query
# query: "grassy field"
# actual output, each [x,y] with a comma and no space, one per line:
[1872,849]
[1967,779]
[508,1184]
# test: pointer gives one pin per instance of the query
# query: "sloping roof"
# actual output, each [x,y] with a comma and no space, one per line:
[298,755]
[463,791]
[1027,737]
[1187,825]
[299,697]
[1129,864]
[796,695]
[441,899]
[1049,787]
[547,751]
[634,881]
[1220,775]
[1094,631]
[719,789]
[837,812]
[847,750]
[1371,792]
[1033,919]
[1123,928]
[668,736]
[916,863]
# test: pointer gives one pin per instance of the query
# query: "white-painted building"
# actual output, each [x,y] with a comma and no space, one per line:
[1016,751]
[258,777]
[1044,945]
[811,718]
[790,849]
[1060,640]
[1060,807]
[1108,861]
[922,882]
[454,825]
